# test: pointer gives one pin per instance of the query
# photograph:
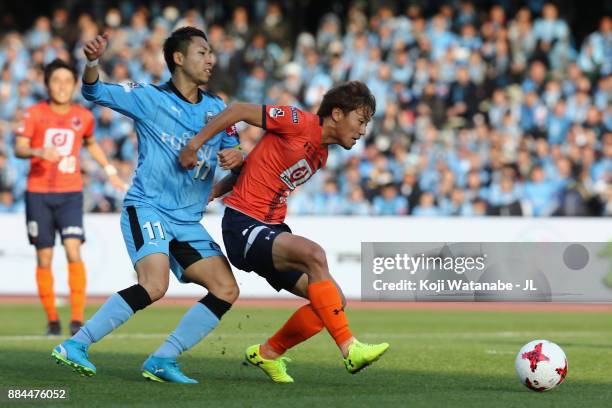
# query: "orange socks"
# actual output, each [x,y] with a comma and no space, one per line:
[44,281]
[301,326]
[327,304]
[77,282]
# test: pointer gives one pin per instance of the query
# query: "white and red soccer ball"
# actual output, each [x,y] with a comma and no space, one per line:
[541,365]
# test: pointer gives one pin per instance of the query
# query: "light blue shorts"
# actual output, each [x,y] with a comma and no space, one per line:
[146,231]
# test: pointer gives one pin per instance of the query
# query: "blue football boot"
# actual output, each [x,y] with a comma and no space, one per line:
[74,355]
[164,370]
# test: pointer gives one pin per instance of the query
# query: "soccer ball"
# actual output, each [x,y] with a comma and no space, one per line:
[541,365]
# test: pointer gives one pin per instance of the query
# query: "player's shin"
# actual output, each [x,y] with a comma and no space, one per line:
[327,304]
[44,281]
[196,324]
[114,312]
[301,326]
[77,281]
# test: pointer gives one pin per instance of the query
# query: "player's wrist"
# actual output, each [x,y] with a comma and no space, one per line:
[192,145]
[110,170]
[92,63]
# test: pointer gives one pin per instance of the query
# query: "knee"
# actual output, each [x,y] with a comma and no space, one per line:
[155,289]
[316,258]
[227,292]
[73,255]
[72,247]
[44,262]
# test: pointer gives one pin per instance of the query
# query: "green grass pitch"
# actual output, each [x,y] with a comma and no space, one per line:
[437,358]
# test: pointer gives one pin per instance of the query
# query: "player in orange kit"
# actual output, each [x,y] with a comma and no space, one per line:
[256,238]
[51,135]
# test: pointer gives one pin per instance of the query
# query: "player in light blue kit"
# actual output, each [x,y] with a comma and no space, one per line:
[160,220]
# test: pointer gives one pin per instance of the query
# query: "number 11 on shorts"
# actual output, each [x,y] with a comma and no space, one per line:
[149,227]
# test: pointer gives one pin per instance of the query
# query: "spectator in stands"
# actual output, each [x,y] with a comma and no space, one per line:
[476,89]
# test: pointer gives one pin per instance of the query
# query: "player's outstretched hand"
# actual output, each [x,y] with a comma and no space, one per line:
[95,48]
[230,158]
[50,154]
[117,183]
[188,158]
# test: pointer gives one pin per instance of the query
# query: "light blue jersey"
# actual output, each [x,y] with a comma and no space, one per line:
[164,123]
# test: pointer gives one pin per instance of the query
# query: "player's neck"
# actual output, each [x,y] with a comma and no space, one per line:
[188,89]
[328,133]
[61,108]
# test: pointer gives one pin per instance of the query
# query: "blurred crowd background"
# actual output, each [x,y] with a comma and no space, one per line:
[483,108]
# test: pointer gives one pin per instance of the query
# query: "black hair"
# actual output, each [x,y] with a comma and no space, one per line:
[57,64]
[179,40]
[348,97]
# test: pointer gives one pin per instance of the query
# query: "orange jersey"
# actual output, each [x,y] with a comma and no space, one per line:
[46,128]
[287,155]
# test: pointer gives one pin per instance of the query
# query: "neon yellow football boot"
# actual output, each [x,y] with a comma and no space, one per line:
[361,355]
[275,369]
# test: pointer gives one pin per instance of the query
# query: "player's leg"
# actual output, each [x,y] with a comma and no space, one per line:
[77,281]
[292,252]
[213,273]
[152,268]
[249,247]
[69,221]
[196,258]
[302,325]
[41,234]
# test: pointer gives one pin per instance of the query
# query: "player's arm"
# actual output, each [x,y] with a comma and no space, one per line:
[93,51]
[24,150]
[129,99]
[98,155]
[223,186]
[238,112]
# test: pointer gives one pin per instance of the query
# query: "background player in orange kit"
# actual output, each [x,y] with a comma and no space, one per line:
[256,239]
[51,135]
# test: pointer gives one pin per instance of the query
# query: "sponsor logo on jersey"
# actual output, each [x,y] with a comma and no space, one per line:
[61,139]
[297,174]
[294,115]
[276,112]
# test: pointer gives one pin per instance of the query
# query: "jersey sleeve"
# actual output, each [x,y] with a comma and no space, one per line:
[27,124]
[90,125]
[131,99]
[282,120]
[230,138]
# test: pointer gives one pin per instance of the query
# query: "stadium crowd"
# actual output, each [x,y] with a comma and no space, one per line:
[479,112]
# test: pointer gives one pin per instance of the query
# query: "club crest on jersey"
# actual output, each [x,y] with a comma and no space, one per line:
[77,123]
[209,116]
[297,174]
[276,112]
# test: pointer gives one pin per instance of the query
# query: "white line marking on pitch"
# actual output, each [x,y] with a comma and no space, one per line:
[128,336]
[382,336]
